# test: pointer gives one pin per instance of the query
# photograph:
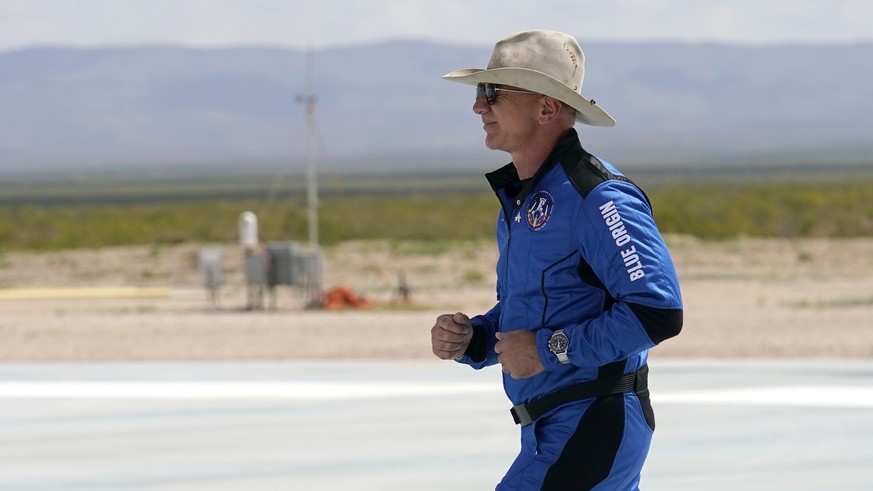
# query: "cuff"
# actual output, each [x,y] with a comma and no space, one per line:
[477,350]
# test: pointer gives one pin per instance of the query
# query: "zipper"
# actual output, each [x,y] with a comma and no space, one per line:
[514,209]
[509,219]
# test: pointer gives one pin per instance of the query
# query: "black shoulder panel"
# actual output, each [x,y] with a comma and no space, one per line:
[588,172]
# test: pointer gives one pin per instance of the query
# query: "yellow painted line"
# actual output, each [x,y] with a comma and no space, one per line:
[74,293]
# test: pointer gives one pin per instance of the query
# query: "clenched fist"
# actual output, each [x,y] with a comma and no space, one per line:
[450,336]
[517,353]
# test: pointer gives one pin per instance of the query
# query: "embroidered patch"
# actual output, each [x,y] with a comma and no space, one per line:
[539,210]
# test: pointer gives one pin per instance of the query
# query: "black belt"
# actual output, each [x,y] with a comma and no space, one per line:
[525,414]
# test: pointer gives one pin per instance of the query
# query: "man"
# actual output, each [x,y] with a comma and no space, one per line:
[585,284]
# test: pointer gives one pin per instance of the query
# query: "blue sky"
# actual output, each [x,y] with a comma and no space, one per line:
[330,23]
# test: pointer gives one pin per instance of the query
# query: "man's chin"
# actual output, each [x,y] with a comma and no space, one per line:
[490,144]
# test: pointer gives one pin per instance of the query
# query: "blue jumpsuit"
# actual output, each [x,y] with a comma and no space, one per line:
[579,251]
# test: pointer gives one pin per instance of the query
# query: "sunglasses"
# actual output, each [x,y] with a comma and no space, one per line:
[491,90]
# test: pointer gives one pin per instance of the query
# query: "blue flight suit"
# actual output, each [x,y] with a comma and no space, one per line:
[579,251]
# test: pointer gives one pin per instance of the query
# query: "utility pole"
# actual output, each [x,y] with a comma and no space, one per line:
[314,271]
[310,100]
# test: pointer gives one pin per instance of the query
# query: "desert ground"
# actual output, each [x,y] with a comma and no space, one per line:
[747,298]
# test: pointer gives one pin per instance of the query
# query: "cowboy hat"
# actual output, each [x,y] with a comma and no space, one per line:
[546,62]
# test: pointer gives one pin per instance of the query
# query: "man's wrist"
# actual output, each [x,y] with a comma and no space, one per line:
[559,345]
[477,350]
[549,360]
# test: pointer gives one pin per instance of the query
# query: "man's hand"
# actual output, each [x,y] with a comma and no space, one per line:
[517,353]
[450,336]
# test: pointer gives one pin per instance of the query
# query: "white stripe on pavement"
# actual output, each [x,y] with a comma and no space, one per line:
[798,395]
[806,396]
[302,391]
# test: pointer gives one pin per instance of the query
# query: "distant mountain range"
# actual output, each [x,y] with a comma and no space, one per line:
[385,107]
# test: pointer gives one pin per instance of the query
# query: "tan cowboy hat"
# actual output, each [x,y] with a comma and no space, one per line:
[546,62]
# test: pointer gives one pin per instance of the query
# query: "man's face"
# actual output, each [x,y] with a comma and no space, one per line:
[510,121]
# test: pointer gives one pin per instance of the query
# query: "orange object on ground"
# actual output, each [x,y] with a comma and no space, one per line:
[342,297]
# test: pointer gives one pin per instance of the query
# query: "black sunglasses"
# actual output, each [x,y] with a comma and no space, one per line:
[490,91]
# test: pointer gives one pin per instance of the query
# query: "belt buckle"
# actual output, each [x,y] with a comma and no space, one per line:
[520,415]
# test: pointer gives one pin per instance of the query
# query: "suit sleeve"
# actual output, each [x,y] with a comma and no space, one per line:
[480,353]
[617,236]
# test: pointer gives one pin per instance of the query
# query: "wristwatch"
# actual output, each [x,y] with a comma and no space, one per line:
[558,344]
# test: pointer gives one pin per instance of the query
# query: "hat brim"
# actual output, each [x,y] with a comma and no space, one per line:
[587,112]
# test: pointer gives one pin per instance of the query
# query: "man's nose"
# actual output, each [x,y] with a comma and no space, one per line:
[480,106]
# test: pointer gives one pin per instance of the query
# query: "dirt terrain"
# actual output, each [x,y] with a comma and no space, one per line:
[744,298]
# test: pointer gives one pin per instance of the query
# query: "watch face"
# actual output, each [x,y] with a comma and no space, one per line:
[558,342]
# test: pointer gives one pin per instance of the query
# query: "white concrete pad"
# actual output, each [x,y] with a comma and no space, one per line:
[752,425]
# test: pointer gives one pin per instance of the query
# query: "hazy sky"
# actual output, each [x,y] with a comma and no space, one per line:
[328,23]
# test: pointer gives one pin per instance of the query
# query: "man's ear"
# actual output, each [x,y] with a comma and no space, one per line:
[549,109]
